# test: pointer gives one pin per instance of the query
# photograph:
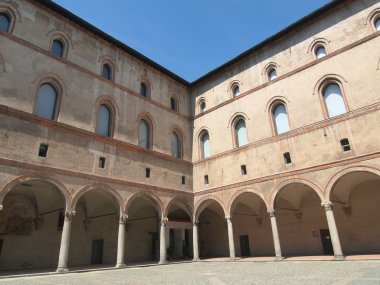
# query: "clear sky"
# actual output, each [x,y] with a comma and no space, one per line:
[191,37]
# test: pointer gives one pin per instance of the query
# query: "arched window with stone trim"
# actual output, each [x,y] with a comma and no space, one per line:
[104,121]
[145,90]
[320,51]
[107,71]
[272,73]
[176,143]
[46,103]
[174,104]
[5,22]
[58,48]
[145,134]
[240,130]
[280,118]
[235,90]
[334,101]
[205,145]
[202,105]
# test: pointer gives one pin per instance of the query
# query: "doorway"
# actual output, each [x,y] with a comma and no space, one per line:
[326,242]
[97,252]
[244,246]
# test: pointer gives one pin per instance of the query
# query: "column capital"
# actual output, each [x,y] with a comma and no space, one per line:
[69,214]
[327,205]
[272,214]
[228,218]
[123,219]
[195,223]
[164,221]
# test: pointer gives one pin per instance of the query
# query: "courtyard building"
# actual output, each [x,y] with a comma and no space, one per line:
[106,157]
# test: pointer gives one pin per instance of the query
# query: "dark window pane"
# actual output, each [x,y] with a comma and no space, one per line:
[46,103]
[57,48]
[143,90]
[5,22]
[106,71]
[173,104]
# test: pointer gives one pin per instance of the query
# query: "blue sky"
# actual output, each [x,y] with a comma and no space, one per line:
[191,37]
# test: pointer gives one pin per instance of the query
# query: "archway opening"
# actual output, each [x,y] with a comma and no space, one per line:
[31,226]
[302,223]
[143,230]
[213,236]
[252,227]
[356,199]
[94,230]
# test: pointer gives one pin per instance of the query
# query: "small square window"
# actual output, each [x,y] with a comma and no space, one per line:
[345,143]
[287,158]
[206,179]
[147,172]
[183,180]
[243,169]
[42,152]
[102,162]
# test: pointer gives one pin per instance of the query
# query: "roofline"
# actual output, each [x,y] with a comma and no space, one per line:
[286,31]
[79,21]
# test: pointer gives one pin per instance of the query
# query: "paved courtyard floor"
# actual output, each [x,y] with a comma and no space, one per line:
[286,272]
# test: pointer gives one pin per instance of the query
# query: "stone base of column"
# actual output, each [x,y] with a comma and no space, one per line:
[163,262]
[232,259]
[339,257]
[62,270]
[279,258]
[122,265]
[196,260]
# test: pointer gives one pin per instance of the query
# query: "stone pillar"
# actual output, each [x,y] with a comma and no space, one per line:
[231,239]
[121,242]
[333,230]
[276,237]
[65,242]
[195,242]
[163,241]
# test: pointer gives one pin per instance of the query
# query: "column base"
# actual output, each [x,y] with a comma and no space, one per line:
[339,257]
[62,270]
[232,259]
[122,265]
[163,262]
[279,258]
[196,260]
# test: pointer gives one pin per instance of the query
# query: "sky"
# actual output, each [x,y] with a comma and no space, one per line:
[191,37]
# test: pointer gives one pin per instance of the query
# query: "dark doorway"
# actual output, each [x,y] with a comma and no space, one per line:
[326,242]
[97,251]
[154,245]
[244,246]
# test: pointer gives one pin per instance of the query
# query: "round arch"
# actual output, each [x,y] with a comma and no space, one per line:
[241,192]
[202,204]
[37,177]
[187,206]
[148,195]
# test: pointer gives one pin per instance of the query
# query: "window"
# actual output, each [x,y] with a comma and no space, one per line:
[57,48]
[103,126]
[144,134]
[280,117]
[332,95]
[202,106]
[272,74]
[5,22]
[320,51]
[183,180]
[345,143]
[287,158]
[147,172]
[176,145]
[236,90]
[377,24]
[243,169]
[144,91]
[205,145]
[102,162]
[240,133]
[107,71]
[46,102]
[42,151]
[206,179]
[173,104]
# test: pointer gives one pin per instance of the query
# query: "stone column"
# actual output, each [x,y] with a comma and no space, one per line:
[231,239]
[65,242]
[276,237]
[163,241]
[333,230]
[195,242]
[121,242]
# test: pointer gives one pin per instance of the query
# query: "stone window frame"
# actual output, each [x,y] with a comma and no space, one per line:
[233,122]
[111,105]
[12,14]
[180,136]
[177,103]
[199,104]
[316,44]
[63,39]
[147,118]
[268,69]
[372,18]
[149,87]
[272,105]
[201,133]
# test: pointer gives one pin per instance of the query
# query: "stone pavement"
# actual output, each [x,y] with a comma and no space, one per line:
[287,272]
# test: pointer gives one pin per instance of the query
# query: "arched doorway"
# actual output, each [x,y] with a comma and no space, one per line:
[356,200]
[212,227]
[252,226]
[142,229]
[301,220]
[31,225]
[94,231]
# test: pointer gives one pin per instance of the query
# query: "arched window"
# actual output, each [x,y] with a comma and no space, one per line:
[46,102]
[107,71]
[57,48]
[280,119]
[144,134]
[272,74]
[176,146]
[202,106]
[332,95]
[377,24]
[236,90]
[320,51]
[240,133]
[103,126]
[5,22]
[173,104]
[205,145]
[144,90]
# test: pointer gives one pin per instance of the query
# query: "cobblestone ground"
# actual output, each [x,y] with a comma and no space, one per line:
[303,272]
